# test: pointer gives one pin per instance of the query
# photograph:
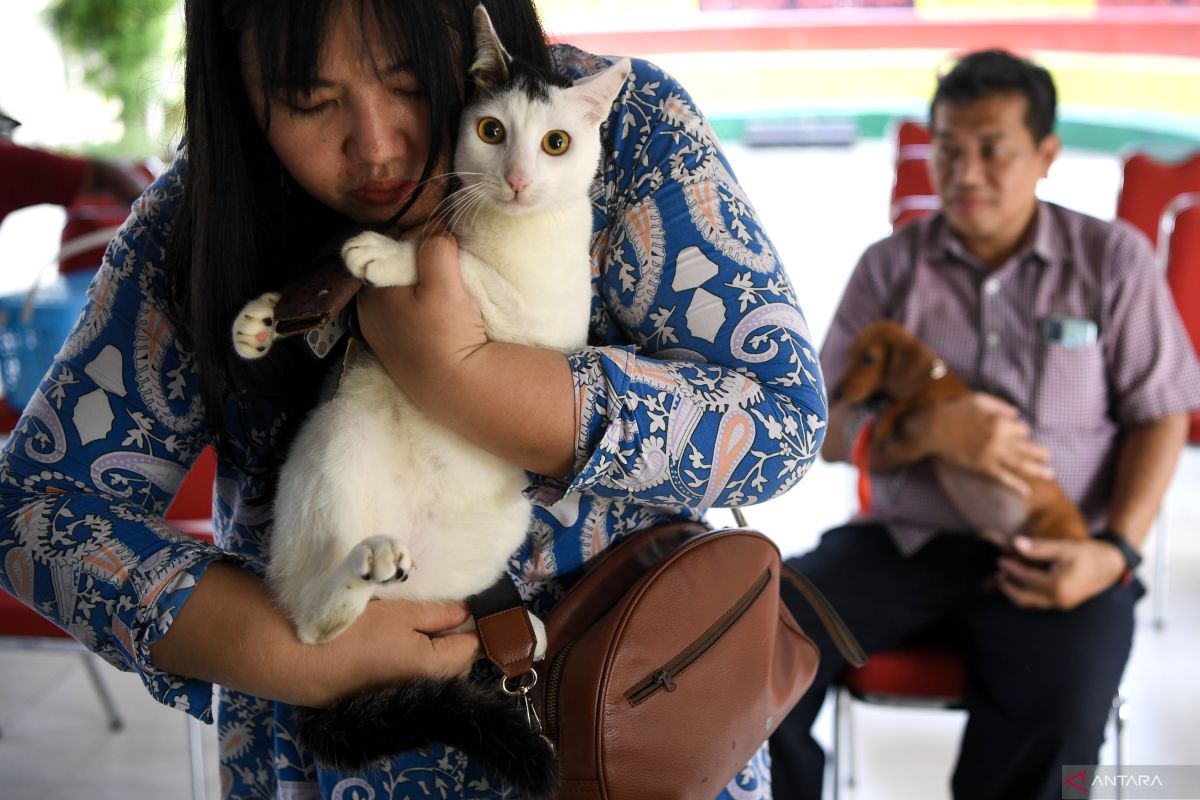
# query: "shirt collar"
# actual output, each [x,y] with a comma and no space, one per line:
[1047,244]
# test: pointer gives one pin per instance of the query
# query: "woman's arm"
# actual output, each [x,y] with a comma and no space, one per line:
[511,400]
[231,633]
[704,387]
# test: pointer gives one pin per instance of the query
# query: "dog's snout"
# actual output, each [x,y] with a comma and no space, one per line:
[835,396]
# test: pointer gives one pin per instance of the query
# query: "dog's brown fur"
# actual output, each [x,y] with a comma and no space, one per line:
[888,362]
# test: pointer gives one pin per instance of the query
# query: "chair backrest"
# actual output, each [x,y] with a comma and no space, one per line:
[1148,184]
[912,191]
[1181,256]
[913,140]
[194,498]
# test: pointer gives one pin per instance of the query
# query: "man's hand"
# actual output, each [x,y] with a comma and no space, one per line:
[987,435]
[1071,572]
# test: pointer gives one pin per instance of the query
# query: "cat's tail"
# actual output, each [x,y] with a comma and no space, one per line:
[486,725]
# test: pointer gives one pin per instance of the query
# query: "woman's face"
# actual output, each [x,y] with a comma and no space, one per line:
[358,142]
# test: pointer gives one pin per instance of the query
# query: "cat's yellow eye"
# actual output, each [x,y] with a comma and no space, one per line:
[556,143]
[490,130]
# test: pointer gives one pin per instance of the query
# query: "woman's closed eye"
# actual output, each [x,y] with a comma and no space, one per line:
[407,87]
[306,105]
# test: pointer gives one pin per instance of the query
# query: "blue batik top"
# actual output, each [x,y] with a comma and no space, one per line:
[700,387]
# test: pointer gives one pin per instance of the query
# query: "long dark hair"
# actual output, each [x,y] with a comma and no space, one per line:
[244,226]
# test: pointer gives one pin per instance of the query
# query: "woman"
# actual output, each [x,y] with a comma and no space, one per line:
[701,387]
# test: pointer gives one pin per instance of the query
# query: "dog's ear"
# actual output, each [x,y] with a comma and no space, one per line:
[908,369]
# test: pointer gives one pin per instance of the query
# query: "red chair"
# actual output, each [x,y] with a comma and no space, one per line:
[912,190]
[1148,184]
[1180,257]
[21,628]
[913,140]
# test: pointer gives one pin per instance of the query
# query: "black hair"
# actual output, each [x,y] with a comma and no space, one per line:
[243,225]
[988,72]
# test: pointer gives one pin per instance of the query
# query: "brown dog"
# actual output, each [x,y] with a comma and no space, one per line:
[891,366]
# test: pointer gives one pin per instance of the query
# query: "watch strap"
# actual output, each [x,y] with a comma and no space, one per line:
[1132,557]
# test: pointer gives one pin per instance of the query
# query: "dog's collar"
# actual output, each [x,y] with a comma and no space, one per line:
[938,371]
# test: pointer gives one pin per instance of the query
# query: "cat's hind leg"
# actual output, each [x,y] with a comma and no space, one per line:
[339,597]
[254,326]
[380,260]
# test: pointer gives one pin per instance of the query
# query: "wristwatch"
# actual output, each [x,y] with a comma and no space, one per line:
[1132,557]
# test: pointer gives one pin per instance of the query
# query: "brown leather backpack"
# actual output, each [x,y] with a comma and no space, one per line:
[670,662]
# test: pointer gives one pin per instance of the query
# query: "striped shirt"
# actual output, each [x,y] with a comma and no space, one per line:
[988,327]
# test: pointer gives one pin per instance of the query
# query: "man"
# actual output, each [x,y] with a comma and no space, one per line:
[29,176]
[1065,330]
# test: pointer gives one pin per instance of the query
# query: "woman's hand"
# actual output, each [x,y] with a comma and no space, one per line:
[1070,573]
[230,632]
[423,334]
[394,641]
[515,401]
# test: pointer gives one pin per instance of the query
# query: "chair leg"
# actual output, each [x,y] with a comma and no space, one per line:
[195,738]
[851,743]
[115,721]
[1160,572]
[836,772]
[1119,709]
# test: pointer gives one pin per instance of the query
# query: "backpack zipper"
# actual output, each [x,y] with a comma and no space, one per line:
[664,677]
[553,680]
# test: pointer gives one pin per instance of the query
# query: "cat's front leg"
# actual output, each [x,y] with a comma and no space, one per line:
[380,260]
[254,326]
[374,562]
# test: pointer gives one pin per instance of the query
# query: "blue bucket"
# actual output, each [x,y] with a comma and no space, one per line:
[29,339]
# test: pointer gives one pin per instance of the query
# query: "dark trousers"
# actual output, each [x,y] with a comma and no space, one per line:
[1039,683]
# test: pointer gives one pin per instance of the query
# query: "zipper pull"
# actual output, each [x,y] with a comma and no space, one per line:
[664,679]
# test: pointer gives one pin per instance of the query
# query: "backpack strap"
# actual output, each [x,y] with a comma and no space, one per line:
[843,639]
[504,627]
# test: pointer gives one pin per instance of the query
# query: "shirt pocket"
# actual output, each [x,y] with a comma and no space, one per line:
[1072,388]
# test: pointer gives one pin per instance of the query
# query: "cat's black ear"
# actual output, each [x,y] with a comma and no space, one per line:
[491,59]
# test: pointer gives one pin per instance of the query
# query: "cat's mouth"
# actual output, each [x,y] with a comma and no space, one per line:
[517,202]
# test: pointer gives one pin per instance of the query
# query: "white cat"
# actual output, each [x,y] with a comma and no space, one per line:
[375,499]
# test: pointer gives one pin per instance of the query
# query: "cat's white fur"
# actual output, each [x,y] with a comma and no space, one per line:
[376,500]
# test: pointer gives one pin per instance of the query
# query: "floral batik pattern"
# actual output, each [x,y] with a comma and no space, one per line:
[700,387]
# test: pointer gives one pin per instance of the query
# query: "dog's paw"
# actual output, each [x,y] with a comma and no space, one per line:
[369,257]
[380,559]
[254,327]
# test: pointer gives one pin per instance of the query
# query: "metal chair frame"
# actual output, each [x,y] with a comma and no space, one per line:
[1166,227]
[843,725]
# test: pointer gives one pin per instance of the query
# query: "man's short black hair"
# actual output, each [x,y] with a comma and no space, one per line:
[988,72]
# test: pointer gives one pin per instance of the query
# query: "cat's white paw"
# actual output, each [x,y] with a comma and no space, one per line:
[539,634]
[254,327]
[380,559]
[370,257]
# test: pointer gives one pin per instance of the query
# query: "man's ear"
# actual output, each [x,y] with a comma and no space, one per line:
[1048,150]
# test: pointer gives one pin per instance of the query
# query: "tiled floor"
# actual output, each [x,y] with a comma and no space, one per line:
[822,206]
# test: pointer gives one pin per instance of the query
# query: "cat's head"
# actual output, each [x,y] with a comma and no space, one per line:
[527,138]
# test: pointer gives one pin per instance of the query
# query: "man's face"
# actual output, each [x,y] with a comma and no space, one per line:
[986,167]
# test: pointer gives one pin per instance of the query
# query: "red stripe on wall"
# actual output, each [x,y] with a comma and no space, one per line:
[1156,31]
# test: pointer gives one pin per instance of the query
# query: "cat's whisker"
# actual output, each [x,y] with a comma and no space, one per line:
[448,206]
[460,201]
[470,208]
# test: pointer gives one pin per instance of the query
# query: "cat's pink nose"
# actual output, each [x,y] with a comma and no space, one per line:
[516,182]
